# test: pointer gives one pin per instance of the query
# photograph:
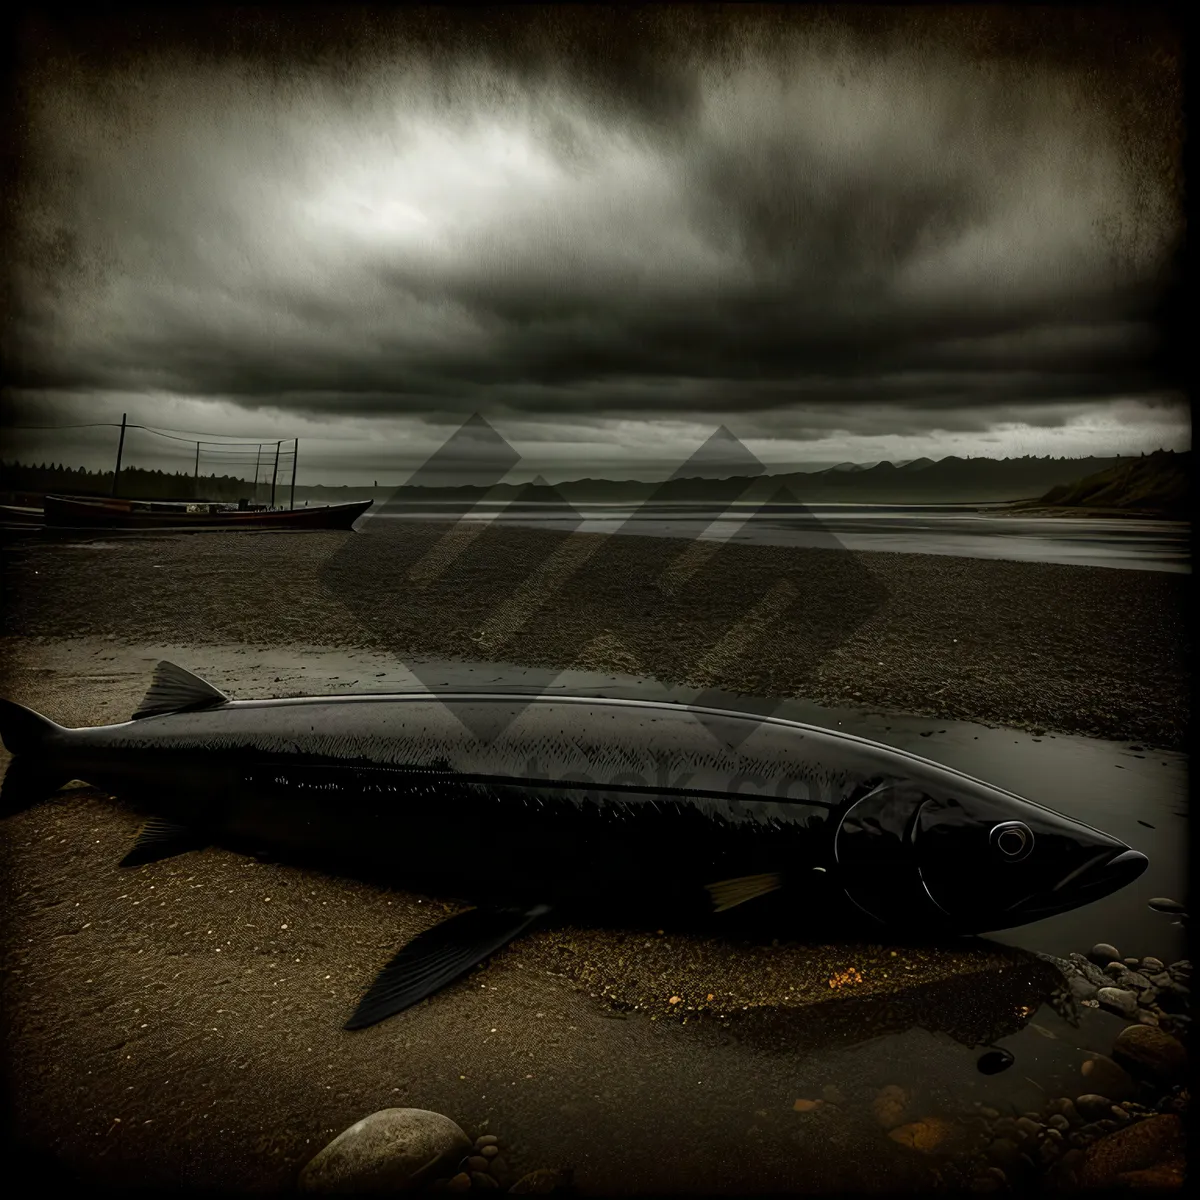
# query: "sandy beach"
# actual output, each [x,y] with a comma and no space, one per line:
[1068,649]
[180,1024]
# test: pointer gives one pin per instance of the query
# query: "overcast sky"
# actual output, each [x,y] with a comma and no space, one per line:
[608,235]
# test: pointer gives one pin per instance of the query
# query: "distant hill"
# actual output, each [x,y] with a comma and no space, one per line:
[950,480]
[1159,482]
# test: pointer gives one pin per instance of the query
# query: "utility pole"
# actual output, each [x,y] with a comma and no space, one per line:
[295,455]
[196,473]
[120,448]
[275,474]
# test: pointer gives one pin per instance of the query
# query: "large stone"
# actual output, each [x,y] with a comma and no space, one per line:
[1092,1107]
[1102,953]
[392,1150]
[1151,1054]
[1154,1143]
[1108,1078]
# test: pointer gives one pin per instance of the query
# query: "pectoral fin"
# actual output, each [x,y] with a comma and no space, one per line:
[728,893]
[438,956]
[161,839]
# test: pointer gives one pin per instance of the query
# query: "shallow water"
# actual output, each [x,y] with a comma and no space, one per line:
[963,530]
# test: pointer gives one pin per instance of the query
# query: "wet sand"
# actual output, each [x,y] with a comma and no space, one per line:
[1068,649]
[180,1024]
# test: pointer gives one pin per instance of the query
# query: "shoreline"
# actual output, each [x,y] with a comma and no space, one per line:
[1067,649]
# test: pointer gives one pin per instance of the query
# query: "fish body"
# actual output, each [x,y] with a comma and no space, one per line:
[524,804]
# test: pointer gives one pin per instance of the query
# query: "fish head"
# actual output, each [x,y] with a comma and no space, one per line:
[963,856]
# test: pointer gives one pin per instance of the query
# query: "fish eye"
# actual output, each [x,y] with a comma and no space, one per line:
[1012,840]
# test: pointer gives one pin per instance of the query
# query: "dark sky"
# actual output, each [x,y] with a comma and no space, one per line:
[854,234]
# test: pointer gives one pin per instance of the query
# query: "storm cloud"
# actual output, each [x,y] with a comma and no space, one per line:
[791,224]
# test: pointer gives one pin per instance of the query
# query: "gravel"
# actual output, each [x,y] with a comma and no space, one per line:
[1045,647]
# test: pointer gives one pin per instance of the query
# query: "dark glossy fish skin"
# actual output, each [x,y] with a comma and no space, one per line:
[572,800]
[566,800]
[527,803]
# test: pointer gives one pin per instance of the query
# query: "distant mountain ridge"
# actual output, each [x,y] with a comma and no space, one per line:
[918,481]
[923,480]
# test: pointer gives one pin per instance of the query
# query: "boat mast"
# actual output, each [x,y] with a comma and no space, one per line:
[120,448]
[295,453]
[275,473]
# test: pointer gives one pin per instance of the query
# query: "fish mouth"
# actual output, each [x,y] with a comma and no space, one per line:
[1100,876]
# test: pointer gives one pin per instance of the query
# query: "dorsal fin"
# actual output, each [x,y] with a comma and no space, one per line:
[176,690]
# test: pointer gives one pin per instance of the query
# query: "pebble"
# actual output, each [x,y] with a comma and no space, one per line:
[460,1183]
[1089,970]
[1082,988]
[481,1179]
[1054,1135]
[1119,1000]
[990,1113]
[1147,1018]
[1058,1122]
[393,1149]
[1028,1126]
[487,1139]
[499,1168]
[1102,953]
[489,1151]
[1164,904]
[1152,966]
[1091,1107]
[1130,962]
[1005,1127]
[477,1163]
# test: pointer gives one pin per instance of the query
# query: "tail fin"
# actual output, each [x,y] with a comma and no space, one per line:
[33,774]
[22,730]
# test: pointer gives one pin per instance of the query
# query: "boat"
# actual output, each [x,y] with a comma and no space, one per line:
[64,512]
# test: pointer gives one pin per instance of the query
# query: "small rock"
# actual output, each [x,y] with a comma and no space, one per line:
[1006,1127]
[832,1094]
[1092,1107]
[487,1139]
[489,1151]
[1102,953]
[990,1114]
[499,1168]
[927,1136]
[1119,1000]
[1151,1054]
[1160,979]
[1070,1159]
[390,1150]
[1047,1153]
[1089,970]
[460,1183]
[1114,970]
[1152,966]
[1054,1135]
[1003,1152]
[1082,988]
[890,1106]
[477,1163]
[1029,1127]
[807,1105]
[1068,1110]
[1107,1078]
[1059,1122]
[1148,1144]
[1163,904]
[481,1179]
[1130,962]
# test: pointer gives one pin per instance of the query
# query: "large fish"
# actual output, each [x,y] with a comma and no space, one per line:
[524,804]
